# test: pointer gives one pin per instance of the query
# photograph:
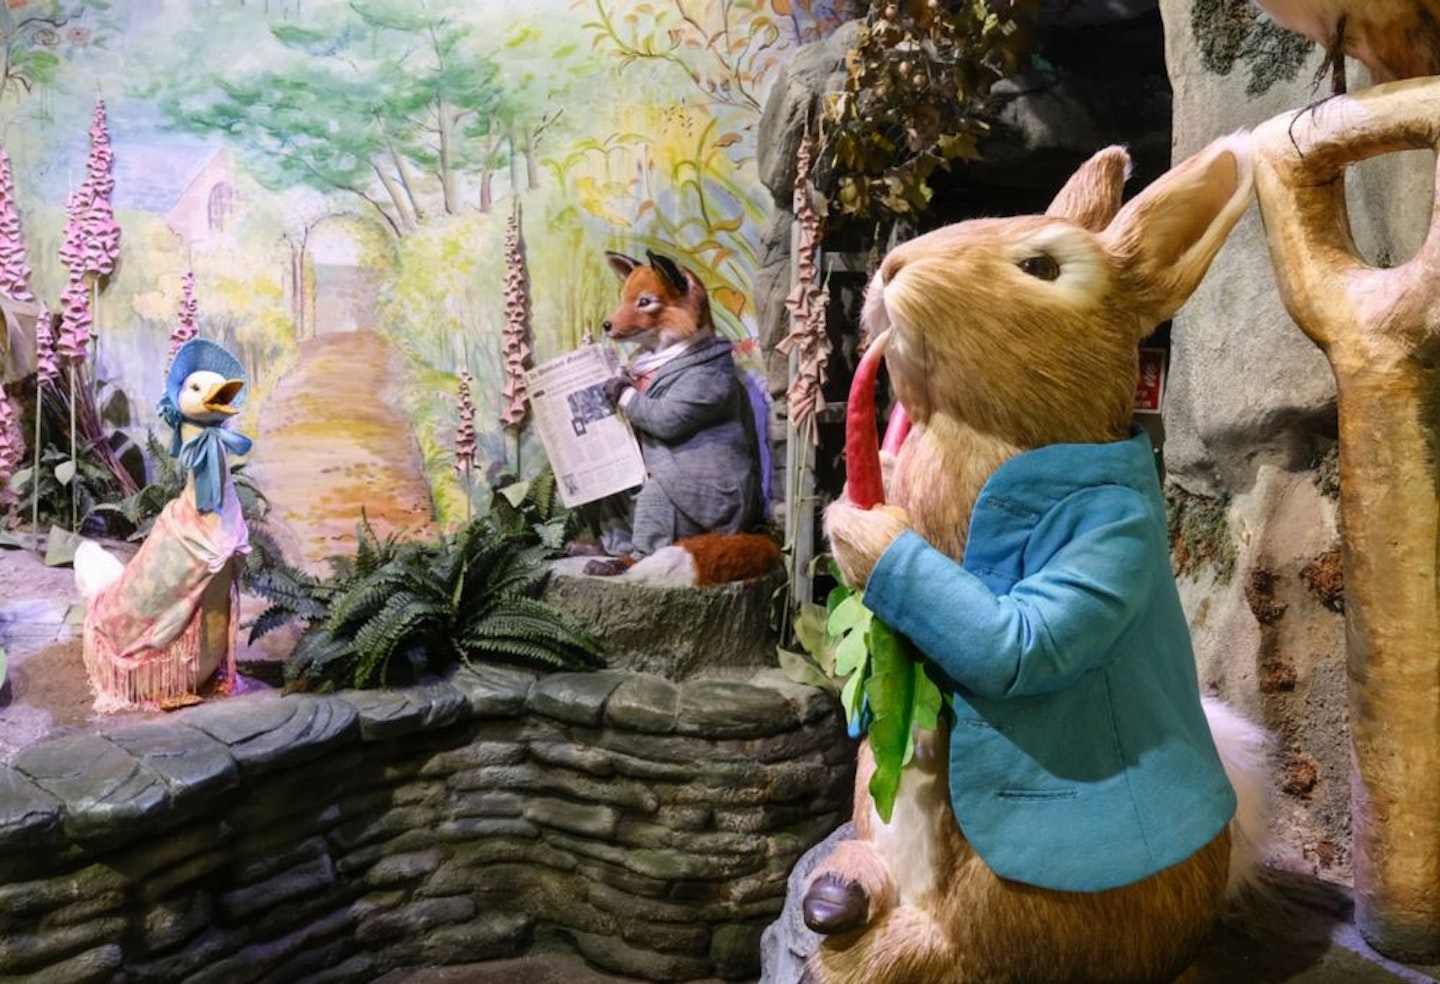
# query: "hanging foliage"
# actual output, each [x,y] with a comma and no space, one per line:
[914,98]
[47,359]
[808,340]
[517,325]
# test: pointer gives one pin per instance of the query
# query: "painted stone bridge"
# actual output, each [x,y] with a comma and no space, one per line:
[645,822]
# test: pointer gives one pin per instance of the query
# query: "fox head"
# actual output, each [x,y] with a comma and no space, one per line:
[661,303]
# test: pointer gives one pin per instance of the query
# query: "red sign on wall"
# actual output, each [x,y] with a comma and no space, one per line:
[1150,386]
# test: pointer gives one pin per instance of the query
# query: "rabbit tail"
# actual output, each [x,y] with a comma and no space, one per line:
[1245,752]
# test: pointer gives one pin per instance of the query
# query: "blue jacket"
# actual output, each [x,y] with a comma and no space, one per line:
[1080,757]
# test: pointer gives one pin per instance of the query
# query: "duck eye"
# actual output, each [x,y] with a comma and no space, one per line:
[1041,266]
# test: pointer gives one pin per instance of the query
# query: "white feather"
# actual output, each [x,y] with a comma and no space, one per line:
[95,569]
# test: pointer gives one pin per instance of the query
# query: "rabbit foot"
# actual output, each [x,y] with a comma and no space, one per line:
[834,905]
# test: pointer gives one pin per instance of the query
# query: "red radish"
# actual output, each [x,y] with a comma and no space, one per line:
[864,481]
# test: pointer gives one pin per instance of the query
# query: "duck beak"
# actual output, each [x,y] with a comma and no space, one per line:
[219,399]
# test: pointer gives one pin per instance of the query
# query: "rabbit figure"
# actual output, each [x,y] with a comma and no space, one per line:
[1075,820]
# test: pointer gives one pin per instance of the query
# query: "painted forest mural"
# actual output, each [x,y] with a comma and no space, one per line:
[326,187]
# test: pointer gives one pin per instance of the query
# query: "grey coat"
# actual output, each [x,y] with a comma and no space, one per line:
[697,436]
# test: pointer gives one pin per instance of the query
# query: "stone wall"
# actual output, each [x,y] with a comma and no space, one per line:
[647,824]
[1250,431]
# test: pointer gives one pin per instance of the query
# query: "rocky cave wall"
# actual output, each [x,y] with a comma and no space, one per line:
[1250,432]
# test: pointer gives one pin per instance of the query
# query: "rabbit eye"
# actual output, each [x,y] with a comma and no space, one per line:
[1042,266]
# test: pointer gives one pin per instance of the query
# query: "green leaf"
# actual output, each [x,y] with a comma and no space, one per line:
[902,697]
[801,669]
[60,547]
[851,653]
[515,493]
[848,614]
[810,630]
[20,479]
[65,471]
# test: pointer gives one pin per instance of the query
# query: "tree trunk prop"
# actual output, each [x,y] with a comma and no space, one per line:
[1380,330]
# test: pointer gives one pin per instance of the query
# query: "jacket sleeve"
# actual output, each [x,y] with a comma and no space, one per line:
[693,401]
[1054,624]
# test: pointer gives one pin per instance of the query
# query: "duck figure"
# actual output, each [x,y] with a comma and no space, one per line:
[162,628]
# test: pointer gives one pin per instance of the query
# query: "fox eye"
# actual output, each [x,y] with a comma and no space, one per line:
[645,301]
[1041,266]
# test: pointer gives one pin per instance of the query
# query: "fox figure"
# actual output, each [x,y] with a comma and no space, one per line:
[1082,813]
[691,520]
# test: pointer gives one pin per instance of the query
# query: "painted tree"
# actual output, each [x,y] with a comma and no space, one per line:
[1380,331]
[378,99]
[14,267]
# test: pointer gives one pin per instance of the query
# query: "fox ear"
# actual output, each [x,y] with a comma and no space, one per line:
[670,271]
[622,264]
[1167,235]
[1093,194]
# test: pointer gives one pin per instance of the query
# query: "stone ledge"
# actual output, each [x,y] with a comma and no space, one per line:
[123,784]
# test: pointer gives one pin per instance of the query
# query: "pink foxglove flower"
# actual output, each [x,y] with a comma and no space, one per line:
[465,450]
[75,321]
[14,268]
[92,239]
[517,326]
[47,359]
[186,324]
[12,446]
[102,235]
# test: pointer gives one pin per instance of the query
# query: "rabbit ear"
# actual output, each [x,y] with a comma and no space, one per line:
[1093,194]
[1167,235]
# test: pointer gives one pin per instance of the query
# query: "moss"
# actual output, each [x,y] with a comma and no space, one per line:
[1230,33]
[1200,534]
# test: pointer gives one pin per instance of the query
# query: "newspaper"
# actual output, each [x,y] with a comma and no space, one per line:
[590,445]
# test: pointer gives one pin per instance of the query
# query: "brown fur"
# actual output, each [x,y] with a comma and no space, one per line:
[723,557]
[660,303]
[990,361]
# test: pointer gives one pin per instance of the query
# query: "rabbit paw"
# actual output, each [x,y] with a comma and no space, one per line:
[859,536]
[834,905]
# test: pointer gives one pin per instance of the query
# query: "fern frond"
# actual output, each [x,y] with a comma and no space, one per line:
[399,623]
[269,620]
[318,656]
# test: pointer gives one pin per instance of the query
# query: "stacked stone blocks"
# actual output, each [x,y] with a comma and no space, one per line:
[647,824]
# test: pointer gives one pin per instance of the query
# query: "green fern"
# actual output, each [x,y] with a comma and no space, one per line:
[410,608]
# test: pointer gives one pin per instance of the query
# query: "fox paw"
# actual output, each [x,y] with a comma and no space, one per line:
[607,567]
[833,905]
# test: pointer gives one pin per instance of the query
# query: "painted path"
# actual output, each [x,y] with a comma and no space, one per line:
[333,439]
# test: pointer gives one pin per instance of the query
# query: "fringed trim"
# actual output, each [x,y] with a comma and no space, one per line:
[162,676]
